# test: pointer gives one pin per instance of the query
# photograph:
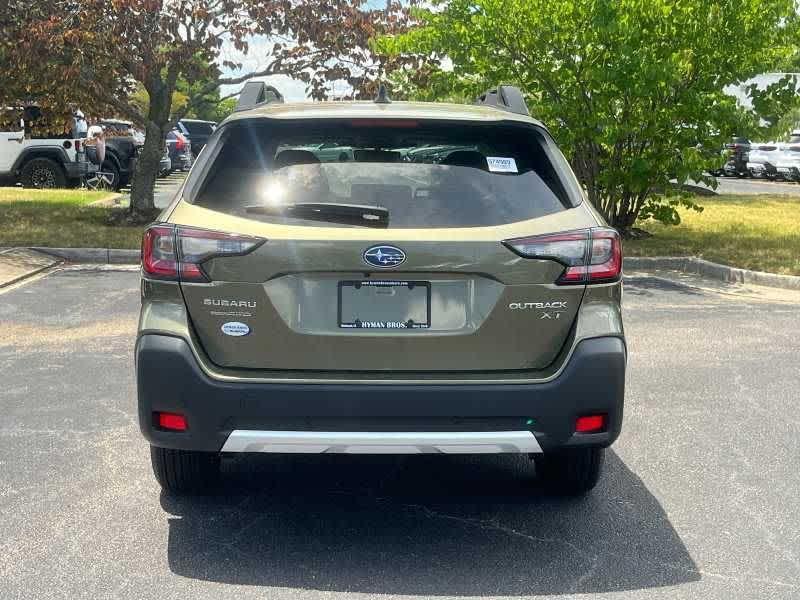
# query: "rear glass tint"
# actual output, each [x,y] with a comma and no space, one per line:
[195,128]
[423,174]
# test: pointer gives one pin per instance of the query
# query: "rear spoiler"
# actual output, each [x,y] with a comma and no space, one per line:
[256,93]
[504,97]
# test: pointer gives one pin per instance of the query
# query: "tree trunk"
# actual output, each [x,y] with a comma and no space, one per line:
[144,179]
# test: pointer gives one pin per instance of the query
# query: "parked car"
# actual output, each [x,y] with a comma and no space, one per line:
[197,132]
[432,153]
[329,152]
[165,165]
[122,150]
[180,151]
[787,164]
[378,306]
[40,150]
[761,160]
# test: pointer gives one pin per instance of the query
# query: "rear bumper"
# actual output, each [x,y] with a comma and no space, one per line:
[364,417]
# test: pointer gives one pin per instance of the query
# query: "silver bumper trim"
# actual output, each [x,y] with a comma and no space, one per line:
[360,442]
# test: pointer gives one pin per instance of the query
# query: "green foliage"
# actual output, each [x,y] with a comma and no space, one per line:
[223,109]
[198,91]
[629,88]
[773,104]
[788,123]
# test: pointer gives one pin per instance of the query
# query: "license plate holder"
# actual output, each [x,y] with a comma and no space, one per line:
[384,305]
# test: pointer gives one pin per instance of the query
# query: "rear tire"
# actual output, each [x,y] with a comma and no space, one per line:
[43,173]
[185,471]
[571,472]
[110,167]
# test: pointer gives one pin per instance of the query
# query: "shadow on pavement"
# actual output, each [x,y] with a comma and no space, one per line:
[424,525]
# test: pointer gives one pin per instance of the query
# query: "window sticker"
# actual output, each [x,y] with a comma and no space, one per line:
[499,164]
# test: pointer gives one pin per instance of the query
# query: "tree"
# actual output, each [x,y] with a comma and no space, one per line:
[109,47]
[47,79]
[629,88]
[223,109]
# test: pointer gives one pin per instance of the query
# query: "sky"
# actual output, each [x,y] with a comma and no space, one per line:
[761,80]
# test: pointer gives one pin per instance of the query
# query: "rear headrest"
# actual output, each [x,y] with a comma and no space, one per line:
[295,157]
[376,156]
[467,158]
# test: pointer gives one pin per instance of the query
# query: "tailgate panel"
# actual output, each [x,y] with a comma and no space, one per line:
[489,309]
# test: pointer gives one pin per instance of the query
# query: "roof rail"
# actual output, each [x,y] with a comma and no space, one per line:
[256,93]
[504,97]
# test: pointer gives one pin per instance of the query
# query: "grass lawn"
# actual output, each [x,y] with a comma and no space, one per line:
[60,219]
[750,232]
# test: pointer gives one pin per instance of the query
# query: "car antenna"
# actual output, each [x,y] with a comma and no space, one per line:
[383,96]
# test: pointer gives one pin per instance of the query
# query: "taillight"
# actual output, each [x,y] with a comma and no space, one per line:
[605,261]
[178,253]
[159,259]
[180,142]
[589,255]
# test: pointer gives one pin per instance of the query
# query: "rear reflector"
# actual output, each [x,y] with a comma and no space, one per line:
[589,255]
[590,424]
[171,421]
[177,253]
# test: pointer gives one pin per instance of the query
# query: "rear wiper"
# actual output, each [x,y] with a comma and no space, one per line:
[349,214]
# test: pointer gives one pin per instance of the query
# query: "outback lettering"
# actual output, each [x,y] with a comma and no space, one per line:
[538,305]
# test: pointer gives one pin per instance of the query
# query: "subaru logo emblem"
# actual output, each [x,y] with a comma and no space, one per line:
[384,256]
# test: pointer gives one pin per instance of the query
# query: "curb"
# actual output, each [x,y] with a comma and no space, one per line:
[108,256]
[712,270]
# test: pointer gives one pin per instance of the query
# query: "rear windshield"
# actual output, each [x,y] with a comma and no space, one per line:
[195,128]
[417,174]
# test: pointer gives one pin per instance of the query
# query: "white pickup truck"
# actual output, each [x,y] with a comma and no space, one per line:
[42,162]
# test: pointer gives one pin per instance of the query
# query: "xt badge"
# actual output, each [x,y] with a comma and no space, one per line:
[549,310]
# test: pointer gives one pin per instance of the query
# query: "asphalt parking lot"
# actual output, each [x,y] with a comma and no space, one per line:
[732,185]
[699,500]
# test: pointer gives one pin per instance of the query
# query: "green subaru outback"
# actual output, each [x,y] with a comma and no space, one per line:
[442,286]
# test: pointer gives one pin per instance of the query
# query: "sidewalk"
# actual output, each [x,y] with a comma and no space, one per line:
[17,264]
